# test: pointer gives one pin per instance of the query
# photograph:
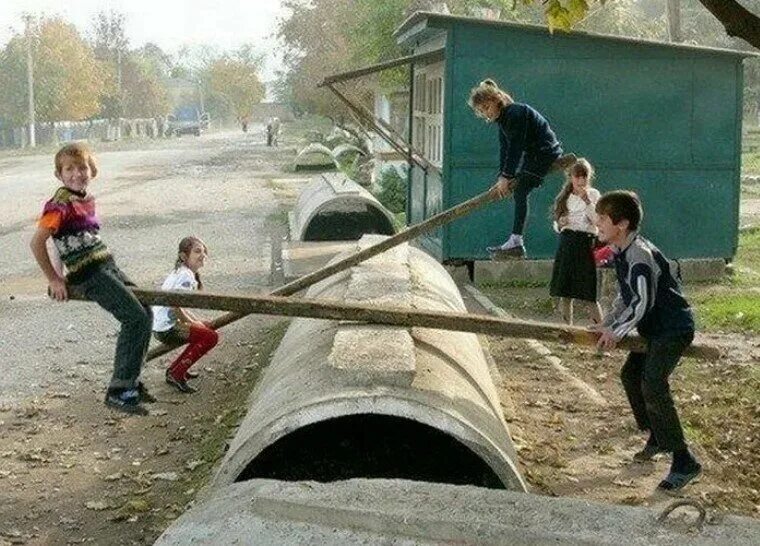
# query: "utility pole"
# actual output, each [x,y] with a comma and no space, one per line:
[674,20]
[30,79]
[119,92]
[200,96]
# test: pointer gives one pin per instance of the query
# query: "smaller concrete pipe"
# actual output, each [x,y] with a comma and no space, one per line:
[314,157]
[335,208]
[388,397]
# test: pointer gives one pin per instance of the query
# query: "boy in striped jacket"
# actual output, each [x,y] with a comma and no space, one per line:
[651,301]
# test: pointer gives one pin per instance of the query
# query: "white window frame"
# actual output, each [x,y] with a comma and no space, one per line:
[427,124]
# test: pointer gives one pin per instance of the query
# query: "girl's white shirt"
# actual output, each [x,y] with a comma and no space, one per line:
[181,278]
[581,216]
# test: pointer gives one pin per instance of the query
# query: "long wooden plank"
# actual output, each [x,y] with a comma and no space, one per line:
[408,234]
[396,316]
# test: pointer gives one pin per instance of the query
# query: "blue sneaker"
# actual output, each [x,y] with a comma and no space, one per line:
[126,400]
[676,481]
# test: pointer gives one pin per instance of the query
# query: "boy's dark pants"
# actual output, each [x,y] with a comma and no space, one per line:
[107,285]
[645,379]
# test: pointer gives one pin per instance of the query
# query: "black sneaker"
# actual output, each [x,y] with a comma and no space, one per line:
[126,400]
[145,396]
[648,453]
[179,384]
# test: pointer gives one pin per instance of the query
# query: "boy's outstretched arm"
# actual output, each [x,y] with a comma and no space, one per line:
[623,319]
[56,283]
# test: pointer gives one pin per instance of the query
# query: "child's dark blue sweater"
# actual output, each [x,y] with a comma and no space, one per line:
[527,141]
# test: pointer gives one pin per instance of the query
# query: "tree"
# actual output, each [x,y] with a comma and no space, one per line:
[235,78]
[134,85]
[68,80]
[109,34]
[316,45]
[144,93]
[737,20]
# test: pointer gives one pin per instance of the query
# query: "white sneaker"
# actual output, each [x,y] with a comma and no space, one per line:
[497,248]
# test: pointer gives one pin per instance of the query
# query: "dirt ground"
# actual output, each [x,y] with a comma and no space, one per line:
[575,434]
[71,470]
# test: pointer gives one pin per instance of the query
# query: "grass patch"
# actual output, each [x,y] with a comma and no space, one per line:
[399,221]
[751,161]
[524,299]
[729,311]
[733,303]
[515,283]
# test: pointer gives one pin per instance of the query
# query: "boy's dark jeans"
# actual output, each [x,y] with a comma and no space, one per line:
[645,379]
[107,285]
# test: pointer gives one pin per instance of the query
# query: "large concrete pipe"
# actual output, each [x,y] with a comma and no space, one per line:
[335,208]
[342,400]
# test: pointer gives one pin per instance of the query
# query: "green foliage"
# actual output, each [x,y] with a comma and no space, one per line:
[392,190]
[68,80]
[733,303]
[235,78]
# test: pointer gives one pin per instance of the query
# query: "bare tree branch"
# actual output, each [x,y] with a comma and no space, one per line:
[737,20]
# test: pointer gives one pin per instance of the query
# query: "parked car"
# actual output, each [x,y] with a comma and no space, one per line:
[187,120]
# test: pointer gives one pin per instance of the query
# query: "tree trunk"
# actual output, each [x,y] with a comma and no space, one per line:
[738,21]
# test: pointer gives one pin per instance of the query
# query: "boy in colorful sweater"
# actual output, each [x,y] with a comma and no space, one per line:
[69,218]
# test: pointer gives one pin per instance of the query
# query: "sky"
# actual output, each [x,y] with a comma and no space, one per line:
[170,24]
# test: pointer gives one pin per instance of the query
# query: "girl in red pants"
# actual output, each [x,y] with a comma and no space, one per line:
[175,325]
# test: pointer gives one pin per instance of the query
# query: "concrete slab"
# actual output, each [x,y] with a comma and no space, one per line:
[398,512]
[541,270]
[300,258]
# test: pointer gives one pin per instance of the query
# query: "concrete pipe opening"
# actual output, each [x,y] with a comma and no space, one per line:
[335,208]
[371,446]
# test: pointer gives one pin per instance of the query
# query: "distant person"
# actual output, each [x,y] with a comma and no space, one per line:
[69,219]
[574,270]
[529,150]
[650,300]
[273,131]
[175,325]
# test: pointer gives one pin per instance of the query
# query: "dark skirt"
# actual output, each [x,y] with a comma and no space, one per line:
[574,272]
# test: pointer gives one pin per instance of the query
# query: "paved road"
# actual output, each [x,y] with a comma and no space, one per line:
[216,187]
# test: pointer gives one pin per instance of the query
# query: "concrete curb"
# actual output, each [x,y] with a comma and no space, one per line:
[541,350]
[406,513]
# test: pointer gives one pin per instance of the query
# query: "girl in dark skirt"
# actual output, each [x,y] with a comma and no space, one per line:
[574,272]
